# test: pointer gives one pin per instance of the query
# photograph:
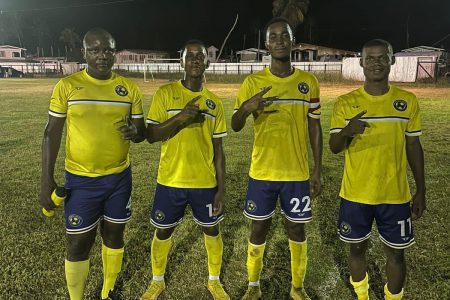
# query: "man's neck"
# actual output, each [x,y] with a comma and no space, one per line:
[99,76]
[281,68]
[192,83]
[376,88]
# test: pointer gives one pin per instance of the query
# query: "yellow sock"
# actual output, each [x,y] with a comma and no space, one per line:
[160,251]
[76,274]
[255,262]
[214,248]
[389,296]
[361,287]
[112,263]
[299,261]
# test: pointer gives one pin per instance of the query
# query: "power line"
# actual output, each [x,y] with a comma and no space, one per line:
[63,7]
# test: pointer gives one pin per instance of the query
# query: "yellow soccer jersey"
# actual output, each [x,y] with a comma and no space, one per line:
[280,147]
[94,110]
[375,161]
[187,159]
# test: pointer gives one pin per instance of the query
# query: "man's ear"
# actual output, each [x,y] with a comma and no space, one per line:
[83,52]
[361,62]
[392,60]
[207,64]
[182,62]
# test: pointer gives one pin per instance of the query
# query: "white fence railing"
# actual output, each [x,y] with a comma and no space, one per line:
[228,68]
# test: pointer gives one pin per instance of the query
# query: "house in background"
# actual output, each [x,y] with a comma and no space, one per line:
[309,52]
[431,62]
[251,55]
[12,52]
[212,53]
[137,56]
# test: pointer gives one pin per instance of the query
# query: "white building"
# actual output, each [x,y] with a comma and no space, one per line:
[133,56]
[12,52]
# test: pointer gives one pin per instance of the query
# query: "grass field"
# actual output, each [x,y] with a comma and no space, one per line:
[33,247]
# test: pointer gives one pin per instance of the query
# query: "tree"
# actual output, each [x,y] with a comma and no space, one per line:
[70,38]
[293,10]
[72,43]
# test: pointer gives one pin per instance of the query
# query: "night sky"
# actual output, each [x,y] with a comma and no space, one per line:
[166,25]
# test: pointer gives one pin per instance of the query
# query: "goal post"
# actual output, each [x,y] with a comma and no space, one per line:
[150,63]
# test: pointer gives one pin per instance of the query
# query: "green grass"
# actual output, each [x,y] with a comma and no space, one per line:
[33,247]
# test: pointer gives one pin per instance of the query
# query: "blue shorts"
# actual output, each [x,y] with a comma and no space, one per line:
[90,199]
[393,223]
[170,202]
[262,197]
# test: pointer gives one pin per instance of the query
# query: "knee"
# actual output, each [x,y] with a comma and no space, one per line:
[113,239]
[211,231]
[112,236]
[358,249]
[296,231]
[164,234]
[260,227]
[259,231]
[78,249]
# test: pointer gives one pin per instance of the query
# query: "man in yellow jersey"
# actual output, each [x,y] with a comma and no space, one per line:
[102,112]
[378,128]
[190,122]
[279,168]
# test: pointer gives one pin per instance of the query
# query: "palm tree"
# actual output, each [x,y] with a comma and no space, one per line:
[293,10]
[70,38]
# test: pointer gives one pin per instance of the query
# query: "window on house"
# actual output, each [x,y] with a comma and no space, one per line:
[16,54]
[2,53]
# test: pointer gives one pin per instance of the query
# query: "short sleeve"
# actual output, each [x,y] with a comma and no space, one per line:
[245,93]
[314,110]
[337,118]
[157,113]
[137,111]
[220,126]
[58,100]
[414,126]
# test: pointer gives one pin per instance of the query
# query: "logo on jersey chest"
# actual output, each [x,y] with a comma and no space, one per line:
[303,87]
[211,105]
[121,90]
[400,105]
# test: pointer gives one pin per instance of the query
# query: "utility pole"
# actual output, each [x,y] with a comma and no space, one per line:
[257,54]
[407,31]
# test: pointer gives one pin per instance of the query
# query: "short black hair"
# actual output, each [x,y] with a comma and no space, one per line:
[192,42]
[277,20]
[97,30]
[378,42]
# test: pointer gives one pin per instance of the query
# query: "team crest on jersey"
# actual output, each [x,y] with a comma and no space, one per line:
[345,228]
[400,105]
[121,90]
[210,104]
[303,87]
[159,216]
[75,220]
[251,206]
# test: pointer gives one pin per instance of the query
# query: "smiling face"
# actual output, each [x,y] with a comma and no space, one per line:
[376,62]
[99,51]
[279,39]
